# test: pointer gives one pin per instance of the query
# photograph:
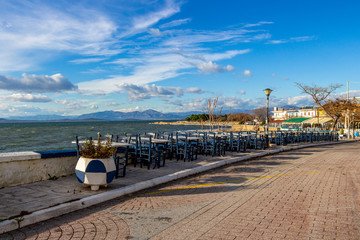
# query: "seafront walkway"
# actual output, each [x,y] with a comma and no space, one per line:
[307,192]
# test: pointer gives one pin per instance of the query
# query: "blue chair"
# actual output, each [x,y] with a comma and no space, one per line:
[148,153]
[184,149]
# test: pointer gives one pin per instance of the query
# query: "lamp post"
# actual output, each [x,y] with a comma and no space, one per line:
[267,92]
[353,126]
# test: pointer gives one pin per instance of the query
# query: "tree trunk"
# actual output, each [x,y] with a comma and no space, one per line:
[334,123]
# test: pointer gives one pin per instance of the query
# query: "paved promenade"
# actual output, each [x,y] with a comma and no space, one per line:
[307,193]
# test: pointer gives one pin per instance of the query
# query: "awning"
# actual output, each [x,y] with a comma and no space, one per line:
[295,120]
[318,120]
[277,121]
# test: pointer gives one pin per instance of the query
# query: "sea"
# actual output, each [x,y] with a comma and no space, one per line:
[42,136]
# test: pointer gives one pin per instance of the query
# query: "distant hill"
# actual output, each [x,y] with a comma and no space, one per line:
[149,114]
[145,115]
[43,118]
[290,107]
[107,115]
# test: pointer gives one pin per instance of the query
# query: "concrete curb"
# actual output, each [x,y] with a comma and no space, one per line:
[52,212]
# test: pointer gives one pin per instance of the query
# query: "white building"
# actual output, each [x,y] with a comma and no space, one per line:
[282,114]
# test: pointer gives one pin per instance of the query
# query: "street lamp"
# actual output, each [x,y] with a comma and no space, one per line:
[267,92]
[353,122]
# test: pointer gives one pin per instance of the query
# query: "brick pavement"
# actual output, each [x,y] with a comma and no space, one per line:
[311,193]
[29,198]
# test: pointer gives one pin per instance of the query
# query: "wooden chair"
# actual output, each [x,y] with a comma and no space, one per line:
[148,154]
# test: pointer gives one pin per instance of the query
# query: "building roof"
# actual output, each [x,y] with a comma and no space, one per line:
[295,120]
[318,120]
[277,121]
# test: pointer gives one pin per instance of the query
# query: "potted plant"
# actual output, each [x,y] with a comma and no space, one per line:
[96,166]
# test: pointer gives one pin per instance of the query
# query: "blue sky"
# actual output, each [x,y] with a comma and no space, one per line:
[75,57]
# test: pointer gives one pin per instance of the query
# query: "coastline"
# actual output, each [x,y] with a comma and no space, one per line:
[235,126]
[196,123]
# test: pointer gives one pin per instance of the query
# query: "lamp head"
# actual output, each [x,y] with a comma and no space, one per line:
[267,91]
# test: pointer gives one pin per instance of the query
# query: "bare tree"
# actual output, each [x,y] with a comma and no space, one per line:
[211,105]
[336,108]
[242,117]
[219,118]
[319,94]
[260,114]
[229,116]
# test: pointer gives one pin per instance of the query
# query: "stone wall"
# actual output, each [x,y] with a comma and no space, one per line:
[244,127]
[27,167]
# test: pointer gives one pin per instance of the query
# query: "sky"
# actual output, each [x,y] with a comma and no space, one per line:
[76,57]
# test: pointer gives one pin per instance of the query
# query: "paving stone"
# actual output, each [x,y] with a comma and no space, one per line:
[301,194]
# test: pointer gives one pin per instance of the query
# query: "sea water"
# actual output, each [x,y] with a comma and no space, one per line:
[40,136]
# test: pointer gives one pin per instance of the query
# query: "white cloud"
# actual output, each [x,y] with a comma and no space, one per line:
[175,102]
[213,67]
[7,110]
[112,104]
[209,67]
[141,23]
[199,104]
[73,105]
[304,100]
[292,39]
[36,31]
[154,66]
[141,92]
[21,97]
[95,70]
[286,78]
[225,55]
[276,41]
[175,23]
[155,31]
[303,38]
[194,90]
[34,83]
[191,38]
[257,24]
[94,36]
[248,73]
[128,61]
[258,37]
[87,60]
[137,108]
[234,102]
[241,92]
[229,68]
[94,107]
[352,94]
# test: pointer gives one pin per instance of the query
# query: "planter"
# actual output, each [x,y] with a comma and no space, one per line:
[95,172]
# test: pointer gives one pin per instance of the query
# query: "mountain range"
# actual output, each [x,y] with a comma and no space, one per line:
[108,115]
[116,115]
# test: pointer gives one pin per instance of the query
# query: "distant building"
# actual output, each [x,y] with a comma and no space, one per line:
[303,112]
